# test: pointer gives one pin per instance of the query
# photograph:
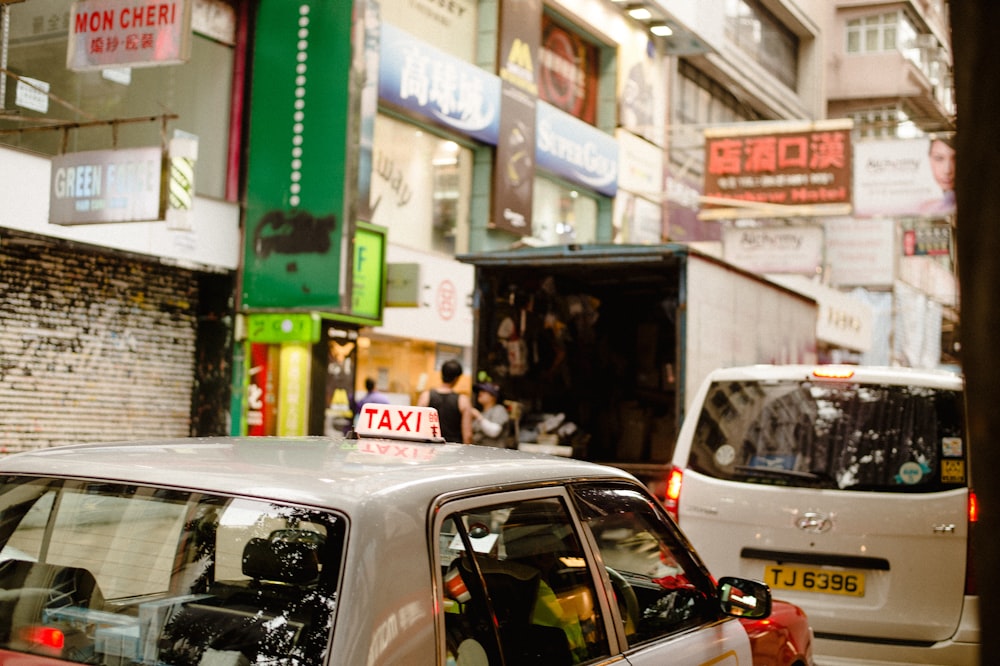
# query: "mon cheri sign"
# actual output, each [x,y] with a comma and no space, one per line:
[128,33]
[778,170]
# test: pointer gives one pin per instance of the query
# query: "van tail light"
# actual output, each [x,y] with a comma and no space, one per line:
[673,494]
[971,588]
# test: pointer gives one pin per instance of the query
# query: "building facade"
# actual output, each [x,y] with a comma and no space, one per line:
[327,165]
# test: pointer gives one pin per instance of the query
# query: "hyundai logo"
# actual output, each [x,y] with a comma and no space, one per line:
[813,522]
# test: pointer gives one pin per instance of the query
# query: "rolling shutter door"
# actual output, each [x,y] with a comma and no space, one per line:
[93,347]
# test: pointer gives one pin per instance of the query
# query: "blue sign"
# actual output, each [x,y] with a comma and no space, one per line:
[418,77]
[575,150]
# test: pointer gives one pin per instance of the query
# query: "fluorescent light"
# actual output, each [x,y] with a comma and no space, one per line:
[661,30]
[640,14]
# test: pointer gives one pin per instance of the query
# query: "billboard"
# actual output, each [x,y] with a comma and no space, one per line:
[904,177]
[778,170]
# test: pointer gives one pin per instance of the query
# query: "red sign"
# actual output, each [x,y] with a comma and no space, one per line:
[260,390]
[135,33]
[568,72]
[809,168]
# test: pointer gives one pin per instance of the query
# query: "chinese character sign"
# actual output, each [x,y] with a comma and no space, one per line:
[136,33]
[783,173]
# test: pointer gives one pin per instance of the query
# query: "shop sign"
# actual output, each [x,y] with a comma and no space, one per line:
[682,204]
[576,151]
[137,33]
[860,252]
[293,389]
[293,247]
[640,169]
[420,78]
[261,384]
[568,71]
[283,327]
[785,249]
[800,170]
[369,271]
[106,186]
[927,240]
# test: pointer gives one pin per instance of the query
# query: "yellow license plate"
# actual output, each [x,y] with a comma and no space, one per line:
[805,579]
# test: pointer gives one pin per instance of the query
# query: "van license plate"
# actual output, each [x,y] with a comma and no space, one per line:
[804,579]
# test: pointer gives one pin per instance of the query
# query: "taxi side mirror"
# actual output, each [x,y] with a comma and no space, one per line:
[741,597]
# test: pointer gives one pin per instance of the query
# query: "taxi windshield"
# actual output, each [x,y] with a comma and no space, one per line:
[843,435]
[109,573]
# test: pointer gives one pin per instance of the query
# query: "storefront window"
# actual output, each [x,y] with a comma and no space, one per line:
[562,215]
[421,187]
[197,91]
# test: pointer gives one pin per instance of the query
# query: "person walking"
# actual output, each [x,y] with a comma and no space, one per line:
[372,395]
[454,409]
[490,424]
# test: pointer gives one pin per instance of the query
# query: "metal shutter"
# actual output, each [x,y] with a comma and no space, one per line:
[93,346]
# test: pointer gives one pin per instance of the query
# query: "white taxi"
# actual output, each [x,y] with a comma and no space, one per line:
[387,546]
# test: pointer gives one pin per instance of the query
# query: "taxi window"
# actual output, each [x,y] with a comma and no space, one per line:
[539,605]
[102,573]
[659,586]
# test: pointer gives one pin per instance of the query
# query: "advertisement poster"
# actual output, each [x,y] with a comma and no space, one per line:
[514,169]
[904,177]
[642,91]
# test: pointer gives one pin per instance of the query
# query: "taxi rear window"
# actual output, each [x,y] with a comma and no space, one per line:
[103,573]
[844,435]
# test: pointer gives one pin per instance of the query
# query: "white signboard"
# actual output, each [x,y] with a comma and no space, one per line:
[444,309]
[860,253]
[32,94]
[106,186]
[785,249]
[137,33]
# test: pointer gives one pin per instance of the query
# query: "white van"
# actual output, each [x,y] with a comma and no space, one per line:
[846,489]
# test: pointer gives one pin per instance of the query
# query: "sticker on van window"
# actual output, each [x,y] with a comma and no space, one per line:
[951,447]
[725,455]
[952,471]
[911,473]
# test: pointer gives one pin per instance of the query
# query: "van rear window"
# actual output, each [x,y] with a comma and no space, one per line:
[832,435]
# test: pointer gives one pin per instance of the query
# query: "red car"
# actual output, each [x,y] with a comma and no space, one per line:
[784,638]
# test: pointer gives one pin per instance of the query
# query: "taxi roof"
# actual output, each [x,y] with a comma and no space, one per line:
[331,472]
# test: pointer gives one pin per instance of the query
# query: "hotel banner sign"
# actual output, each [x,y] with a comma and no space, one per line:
[792,169]
[97,186]
[128,33]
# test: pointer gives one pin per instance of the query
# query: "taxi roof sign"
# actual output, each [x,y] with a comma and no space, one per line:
[419,424]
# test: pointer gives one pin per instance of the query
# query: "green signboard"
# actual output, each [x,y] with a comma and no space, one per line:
[369,271]
[283,327]
[299,102]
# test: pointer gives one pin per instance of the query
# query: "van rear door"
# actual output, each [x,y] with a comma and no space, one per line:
[847,495]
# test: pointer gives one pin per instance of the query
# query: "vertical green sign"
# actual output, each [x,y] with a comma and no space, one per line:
[299,102]
[369,271]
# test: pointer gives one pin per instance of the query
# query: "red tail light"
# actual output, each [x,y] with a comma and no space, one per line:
[49,637]
[971,587]
[673,493]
